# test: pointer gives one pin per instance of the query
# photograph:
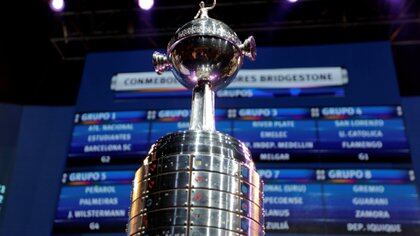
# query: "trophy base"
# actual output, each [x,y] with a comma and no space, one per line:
[197,183]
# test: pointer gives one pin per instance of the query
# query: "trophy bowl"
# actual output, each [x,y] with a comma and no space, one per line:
[209,59]
[205,50]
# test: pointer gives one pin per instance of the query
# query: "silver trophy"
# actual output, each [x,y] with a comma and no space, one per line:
[200,181]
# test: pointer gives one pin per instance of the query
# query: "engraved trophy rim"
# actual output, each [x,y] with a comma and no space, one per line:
[205,27]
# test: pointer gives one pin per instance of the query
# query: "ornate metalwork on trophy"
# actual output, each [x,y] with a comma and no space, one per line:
[200,181]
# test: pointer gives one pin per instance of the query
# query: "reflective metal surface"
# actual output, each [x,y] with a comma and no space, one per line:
[198,217]
[197,179]
[205,49]
[204,55]
[202,116]
[196,231]
[200,181]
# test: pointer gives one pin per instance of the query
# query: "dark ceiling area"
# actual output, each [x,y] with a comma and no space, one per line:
[42,53]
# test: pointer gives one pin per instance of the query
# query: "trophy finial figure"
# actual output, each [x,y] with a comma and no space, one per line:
[203,12]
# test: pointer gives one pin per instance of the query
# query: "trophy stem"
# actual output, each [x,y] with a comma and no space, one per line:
[202,111]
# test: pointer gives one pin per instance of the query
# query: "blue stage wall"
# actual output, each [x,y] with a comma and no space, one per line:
[41,135]
[411,106]
[42,141]
[370,66]
[9,126]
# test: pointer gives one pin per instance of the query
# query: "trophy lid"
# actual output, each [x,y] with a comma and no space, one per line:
[205,26]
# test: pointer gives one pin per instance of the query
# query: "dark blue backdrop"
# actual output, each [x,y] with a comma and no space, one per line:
[42,140]
[370,66]
[9,125]
[44,132]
